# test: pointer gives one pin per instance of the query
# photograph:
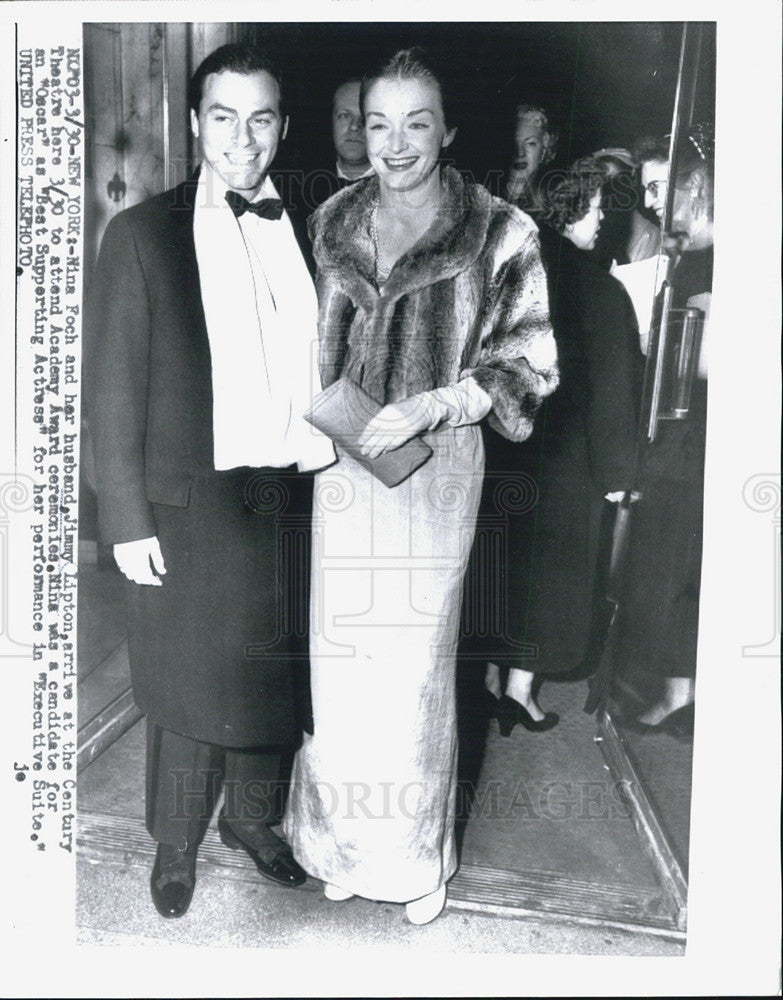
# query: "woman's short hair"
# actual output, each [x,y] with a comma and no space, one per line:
[416,63]
[540,119]
[567,196]
[236,57]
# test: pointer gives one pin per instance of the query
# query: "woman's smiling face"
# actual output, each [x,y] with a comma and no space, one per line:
[406,130]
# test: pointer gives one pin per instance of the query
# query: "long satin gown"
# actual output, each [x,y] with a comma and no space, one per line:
[372,801]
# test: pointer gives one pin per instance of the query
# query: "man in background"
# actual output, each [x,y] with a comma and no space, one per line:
[350,148]
[348,134]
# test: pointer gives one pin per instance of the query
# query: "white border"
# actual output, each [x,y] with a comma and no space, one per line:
[734,925]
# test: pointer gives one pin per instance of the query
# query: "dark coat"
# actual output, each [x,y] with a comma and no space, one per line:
[211,650]
[543,500]
[298,203]
[659,619]
[147,368]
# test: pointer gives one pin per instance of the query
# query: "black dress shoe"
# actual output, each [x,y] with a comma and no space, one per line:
[173,880]
[510,712]
[282,868]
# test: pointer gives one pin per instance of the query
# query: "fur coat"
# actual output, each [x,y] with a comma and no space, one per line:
[469,298]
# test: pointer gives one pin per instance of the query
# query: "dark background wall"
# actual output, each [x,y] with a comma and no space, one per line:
[605,83]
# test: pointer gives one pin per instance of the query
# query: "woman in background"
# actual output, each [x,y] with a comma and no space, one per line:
[580,455]
[432,298]
[535,144]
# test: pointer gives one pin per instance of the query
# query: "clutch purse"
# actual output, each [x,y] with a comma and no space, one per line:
[343,411]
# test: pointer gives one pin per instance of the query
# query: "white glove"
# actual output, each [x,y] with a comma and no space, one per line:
[457,405]
[397,423]
[141,561]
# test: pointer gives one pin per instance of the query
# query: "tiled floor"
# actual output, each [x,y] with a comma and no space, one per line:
[555,805]
[664,763]
[544,804]
[113,907]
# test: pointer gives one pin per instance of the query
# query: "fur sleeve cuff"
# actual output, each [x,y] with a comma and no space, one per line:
[517,391]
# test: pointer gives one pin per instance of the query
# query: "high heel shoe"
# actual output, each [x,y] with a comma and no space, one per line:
[335,893]
[678,723]
[510,712]
[426,908]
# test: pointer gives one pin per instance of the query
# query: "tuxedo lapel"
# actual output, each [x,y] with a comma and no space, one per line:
[288,184]
[183,283]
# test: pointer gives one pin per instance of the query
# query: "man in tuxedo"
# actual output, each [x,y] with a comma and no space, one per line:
[200,336]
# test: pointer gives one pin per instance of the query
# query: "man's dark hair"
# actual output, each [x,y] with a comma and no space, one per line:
[236,57]
[695,152]
[650,148]
[567,197]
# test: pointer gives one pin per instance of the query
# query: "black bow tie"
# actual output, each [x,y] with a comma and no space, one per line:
[267,208]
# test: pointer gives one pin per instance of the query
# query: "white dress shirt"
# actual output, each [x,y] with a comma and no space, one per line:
[344,177]
[261,314]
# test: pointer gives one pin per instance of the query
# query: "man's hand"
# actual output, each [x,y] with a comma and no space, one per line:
[141,561]
[397,423]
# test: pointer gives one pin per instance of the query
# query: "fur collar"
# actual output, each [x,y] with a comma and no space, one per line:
[343,244]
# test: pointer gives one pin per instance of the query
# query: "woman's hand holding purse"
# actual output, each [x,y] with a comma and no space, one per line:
[398,422]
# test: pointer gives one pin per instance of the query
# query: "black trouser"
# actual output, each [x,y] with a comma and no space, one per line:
[185,776]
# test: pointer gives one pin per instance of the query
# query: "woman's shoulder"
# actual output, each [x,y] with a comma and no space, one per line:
[509,230]
[354,199]
[507,215]
[596,281]
[339,229]
[693,274]
[604,297]
[575,274]
[464,192]
[569,266]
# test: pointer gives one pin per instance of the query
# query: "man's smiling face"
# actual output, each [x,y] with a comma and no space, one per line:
[239,126]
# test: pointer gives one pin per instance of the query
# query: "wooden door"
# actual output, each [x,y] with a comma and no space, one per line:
[138,144]
[138,141]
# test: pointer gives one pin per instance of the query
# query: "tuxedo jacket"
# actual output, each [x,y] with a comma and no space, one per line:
[147,365]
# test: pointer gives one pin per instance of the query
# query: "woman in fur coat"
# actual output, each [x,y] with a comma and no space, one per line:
[433,299]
